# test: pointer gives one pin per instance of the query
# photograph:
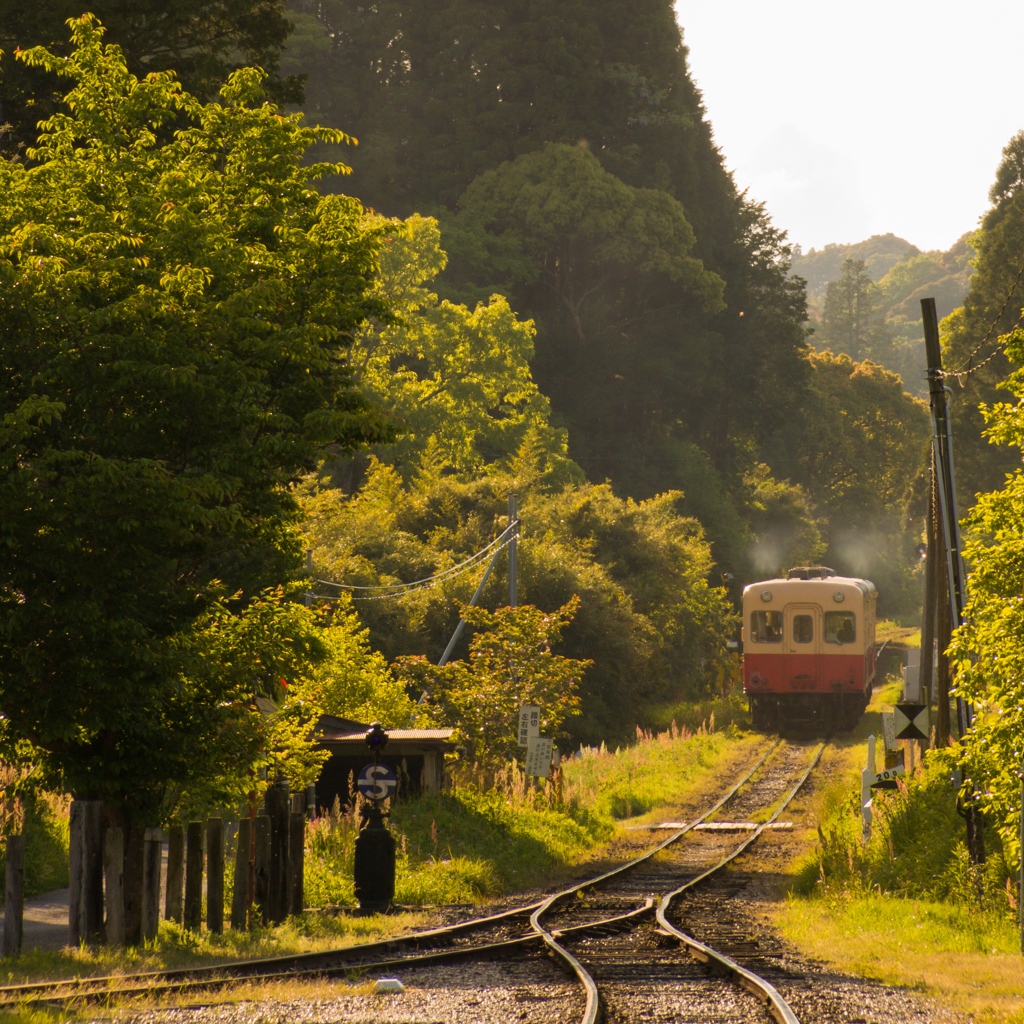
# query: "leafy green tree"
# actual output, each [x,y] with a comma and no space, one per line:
[989,649]
[201,41]
[510,664]
[457,380]
[173,318]
[782,521]
[852,320]
[444,92]
[879,253]
[970,335]
[648,619]
[559,220]
[353,681]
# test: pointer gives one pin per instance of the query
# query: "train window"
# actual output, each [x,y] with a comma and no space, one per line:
[840,627]
[803,629]
[766,627]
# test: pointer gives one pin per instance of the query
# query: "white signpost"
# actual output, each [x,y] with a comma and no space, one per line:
[538,756]
[889,730]
[529,723]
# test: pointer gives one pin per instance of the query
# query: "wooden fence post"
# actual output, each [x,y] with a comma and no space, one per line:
[215,875]
[278,802]
[239,897]
[151,857]
[194,877]
[175,872]
[113,874]
[14,911]
[85,899]
[296,852]
[261,886]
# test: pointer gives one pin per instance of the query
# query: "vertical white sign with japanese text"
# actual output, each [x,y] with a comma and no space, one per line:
[529,724]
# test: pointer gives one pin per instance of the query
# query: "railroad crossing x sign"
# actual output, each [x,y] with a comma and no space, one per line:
[911,721]
[376,781]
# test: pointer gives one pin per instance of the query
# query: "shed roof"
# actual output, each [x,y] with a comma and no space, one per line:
[437,735]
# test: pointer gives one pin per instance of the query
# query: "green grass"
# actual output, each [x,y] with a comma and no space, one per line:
[475,842]
[652,772]
[966,957]
[906,907]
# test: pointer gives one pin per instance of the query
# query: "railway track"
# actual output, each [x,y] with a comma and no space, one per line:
[591,929]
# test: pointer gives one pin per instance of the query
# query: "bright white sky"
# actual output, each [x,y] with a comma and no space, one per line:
[854,119]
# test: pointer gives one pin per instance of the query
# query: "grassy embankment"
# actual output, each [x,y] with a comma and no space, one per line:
[460,847]
[906,908]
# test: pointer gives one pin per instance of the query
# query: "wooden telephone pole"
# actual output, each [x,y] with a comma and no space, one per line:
[951,595]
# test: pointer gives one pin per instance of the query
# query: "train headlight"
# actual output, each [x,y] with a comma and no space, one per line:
[766,596]
[839,597]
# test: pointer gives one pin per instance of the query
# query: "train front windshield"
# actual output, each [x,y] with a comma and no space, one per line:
[840,628]
[766,627]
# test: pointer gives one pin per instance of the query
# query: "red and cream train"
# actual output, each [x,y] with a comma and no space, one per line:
[808,649]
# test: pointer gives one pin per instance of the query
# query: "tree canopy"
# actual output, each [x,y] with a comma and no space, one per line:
[565,151]
[201,41]
[989,647]
[647,619]
[970,335]
[174,315]
[852,320]
[457,380]
[859,447]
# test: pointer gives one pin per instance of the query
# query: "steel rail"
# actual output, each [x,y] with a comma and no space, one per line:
[582,975]
[779,1008]
[490,949]
[319,963]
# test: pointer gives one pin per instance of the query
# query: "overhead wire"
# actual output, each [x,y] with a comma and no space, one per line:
[966,369]
[453,572]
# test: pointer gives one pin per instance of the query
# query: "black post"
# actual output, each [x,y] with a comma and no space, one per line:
[194,877]
[215,875]
[14,909]
[375,846]
[942,442]
[261,874]
[151,857]
[278,805]
[243,854]
[175,872]
[932,568]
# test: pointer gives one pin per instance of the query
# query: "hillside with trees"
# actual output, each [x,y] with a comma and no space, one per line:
[864,299]
[570,165]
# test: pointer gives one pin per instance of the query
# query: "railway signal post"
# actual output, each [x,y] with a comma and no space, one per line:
[375,846]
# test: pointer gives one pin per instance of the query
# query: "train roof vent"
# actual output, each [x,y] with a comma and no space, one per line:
[810,572]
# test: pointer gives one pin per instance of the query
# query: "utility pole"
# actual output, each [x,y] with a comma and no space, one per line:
[932,566]
[513,565]
[952,608]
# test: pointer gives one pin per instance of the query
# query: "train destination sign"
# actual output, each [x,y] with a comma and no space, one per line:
[911,721]
[376,782]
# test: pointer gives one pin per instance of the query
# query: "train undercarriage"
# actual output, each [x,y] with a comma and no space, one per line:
[819,712]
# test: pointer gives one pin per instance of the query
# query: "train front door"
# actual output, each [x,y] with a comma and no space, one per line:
[801,638]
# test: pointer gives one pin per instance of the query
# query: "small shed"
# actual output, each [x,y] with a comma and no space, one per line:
[416,756]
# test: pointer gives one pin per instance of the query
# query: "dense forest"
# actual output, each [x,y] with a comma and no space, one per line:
[864,299]
[563,294]
[572,169]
